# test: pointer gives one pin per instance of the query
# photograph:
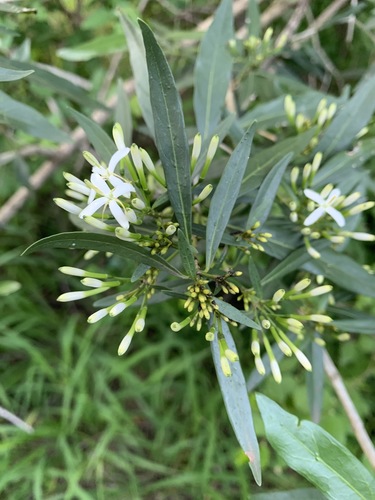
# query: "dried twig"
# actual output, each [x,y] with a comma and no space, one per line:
[355,420]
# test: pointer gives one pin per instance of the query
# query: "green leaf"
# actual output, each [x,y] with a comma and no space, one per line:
[123,113]
[100,140]
[315,380]
[54,79]
[253,19]
[23,117]
[315,454]
[10,75]
[104,243]
[295,260]
[226,194]
[100,46]
[261,163]
[235,314]
[299,494]
[213,70]
[170,134]
[237,403]
[352,321]
[137,55]
[186,255]
[267,192]
[344,271]
[254,276]
[353,116]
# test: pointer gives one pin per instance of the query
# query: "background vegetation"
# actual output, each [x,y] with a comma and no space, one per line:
[151,425]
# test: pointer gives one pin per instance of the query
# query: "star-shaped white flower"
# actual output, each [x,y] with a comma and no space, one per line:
[324,207]
[110,198]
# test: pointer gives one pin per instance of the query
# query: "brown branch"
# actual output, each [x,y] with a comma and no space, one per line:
[355,420]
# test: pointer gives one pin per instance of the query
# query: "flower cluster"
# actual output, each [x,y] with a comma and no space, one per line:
[323,214]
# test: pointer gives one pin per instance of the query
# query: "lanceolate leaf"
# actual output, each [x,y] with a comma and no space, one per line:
[102,143]
[354,115]
[315,454]
[138,62]
[170,133]
[267,192]
[262,162]
[186,255]
[24,117]
[315,380]
[213,70]
[104,243]
[225,195]
[344,271]
[235,314]
[237,404]
[9,75]
[299,494]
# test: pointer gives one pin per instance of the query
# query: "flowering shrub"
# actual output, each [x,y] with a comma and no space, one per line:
[251,237]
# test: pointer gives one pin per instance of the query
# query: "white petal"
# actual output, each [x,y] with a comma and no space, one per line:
[100,184]
[67,205]
[336,216]
[335,193]
[93,207]
[314,216]
[313,195]
[119,214]
[119,155]
[123,190]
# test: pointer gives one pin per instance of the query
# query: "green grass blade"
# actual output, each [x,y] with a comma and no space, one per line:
[237,403]
[315,454]
[226,194]
[103,243]
[170,133]
[267,192]
[213,70]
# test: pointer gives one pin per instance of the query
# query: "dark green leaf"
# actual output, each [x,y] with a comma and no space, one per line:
[315,380]
[103,145]
[267,192]
[225,195]
[315,454]
[262,162]
[104,243]
[170,133]
[9,75]
[235,314]
[344,271]
[213,70]
[294,261]
[353,116]
[137,55]
[237,404]
[254,276]
[253,19]
[186,255]
[21,116]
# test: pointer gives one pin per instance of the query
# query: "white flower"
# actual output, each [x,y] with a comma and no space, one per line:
[324,206]
[109,197]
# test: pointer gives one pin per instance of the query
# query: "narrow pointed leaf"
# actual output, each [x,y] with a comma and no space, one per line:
[104,243]
[123,112]
[137,55]
[237,403]
[10,75]
[213,70]
[315,380]
[353,116]
[298,494]
[100,140]
[315,454]
[261,163]
[226,194]
[253,18]
[344,271]
[170,133]
[186,255]
[236,314]
[267,192]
